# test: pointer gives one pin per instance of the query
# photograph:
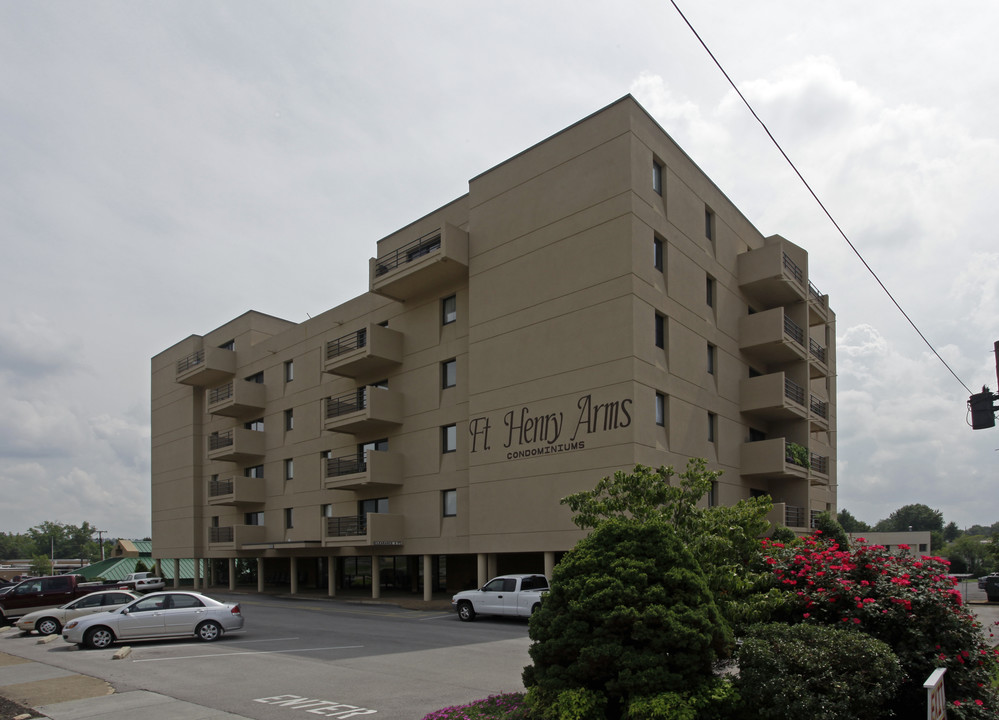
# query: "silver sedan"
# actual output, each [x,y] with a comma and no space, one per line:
[158,615]
[50,621]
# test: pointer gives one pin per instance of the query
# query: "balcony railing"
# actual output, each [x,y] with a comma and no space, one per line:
[220,534]
[794,331]
[819,407]
[813,292]
[820,463]
[347,526]
[186,363]
[219,440]
[347,343]
[346,465]
[409,252]
[789,456]
[217,488]
[793,391]
[792,268]
[347,403]
[220,394]
[817,351]
[795,516]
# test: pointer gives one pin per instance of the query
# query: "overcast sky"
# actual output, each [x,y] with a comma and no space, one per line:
[161,163]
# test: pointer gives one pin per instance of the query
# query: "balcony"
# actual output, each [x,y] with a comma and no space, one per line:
[367,530]
[233,537]
[818,306]
[770,458]
[772,337]
[206,367]
[819,471]
[237,490]
[819,367]
[237,398]
[369,350]
[375,469]
[791,516]
[366,409]
[770,276]
[236,445]
[774,397]
[818,413]
[419,267]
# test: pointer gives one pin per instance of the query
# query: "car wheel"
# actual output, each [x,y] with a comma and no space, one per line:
[98,637]
[208,631]
[48,626]
[534,608]
[465,611]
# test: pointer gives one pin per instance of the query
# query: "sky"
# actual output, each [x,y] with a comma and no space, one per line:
[161,163]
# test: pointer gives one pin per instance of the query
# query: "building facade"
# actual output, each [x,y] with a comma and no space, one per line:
[592,303]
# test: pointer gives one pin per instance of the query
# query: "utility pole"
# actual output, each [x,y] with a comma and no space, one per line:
[100,541]
[982,405]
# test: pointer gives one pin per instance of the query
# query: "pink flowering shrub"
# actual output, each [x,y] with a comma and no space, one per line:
[506,706]
[911,604]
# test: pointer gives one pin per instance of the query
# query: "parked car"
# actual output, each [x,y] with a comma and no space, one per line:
[512,595]
[992,588]
[983,578]
[157,615]
[45,592]
[50,621]
[142,582]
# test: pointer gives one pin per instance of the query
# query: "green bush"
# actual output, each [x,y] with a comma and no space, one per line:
[816,671]
[629,616]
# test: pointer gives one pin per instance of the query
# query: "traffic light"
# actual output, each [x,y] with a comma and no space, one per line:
[983,412]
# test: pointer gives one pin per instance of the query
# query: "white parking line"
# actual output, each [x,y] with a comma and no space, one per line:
[251,652]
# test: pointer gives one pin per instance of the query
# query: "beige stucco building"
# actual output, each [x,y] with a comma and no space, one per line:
[590,304]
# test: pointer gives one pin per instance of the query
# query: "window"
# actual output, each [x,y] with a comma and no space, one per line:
[215,520]
[711,359]
[289,419]
[256,378]
[711,427]
[709,291]
[756,435]
[449,310]
[289,518]
[449,373]
[257,425]
[254,518]
[228,345]
[657,254]
[657,177]
[376,445]
[660,409]
[660,331]
[376,505]
[289,371]
[289,469]
[709,223]
[326,510]
[449,438]
[450,502]
[256,471]
[713,494]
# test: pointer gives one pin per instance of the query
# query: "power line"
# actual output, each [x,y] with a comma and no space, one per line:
[812,192]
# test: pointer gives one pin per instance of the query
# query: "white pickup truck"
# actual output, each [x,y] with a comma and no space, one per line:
[142,582]
[513,595]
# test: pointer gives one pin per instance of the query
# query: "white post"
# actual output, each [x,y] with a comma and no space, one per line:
[936,701]
[428,580]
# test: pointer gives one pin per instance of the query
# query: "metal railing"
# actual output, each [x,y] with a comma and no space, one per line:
[794,392]
[817,350]
[814,292]
[350,341]
[346,465]
[812,517]
[819,407]
[795,516]
[220,534]
[792,267]
[820,463]
[220,394]
[347,526]
[409,252]
[186,363]
[217,488]
[794,331]
[347,403]
[218,440]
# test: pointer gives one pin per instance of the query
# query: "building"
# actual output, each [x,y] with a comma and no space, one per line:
[592,303]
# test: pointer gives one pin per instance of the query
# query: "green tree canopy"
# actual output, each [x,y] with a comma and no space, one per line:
[850,523]
[912,517]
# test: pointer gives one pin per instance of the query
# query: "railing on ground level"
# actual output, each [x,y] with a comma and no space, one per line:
[346,465]
[186,363]
[409,252]
[220,534]
[795,516]
[346,526]
[350,341]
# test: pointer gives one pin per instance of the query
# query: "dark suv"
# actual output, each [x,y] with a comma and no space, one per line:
[992,588]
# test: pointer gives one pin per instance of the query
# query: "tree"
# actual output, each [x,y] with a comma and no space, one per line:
[952,532]
[912,517]
[41,565]
[832,530]
[850,523]
[970,554]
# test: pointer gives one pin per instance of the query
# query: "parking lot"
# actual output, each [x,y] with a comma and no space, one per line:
[307,657]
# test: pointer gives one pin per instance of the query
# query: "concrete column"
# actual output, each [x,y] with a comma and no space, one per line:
[482,569]
[492,565]
[331,576]
[210,575]
[376,577]
[293,571]
[157,568]
[232,573]
[549,564]
[176,572]
[428,580]
[260,574]
[196,584]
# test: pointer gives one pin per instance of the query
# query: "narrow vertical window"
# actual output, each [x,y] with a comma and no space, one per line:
[449,373]
[711,359]
[449,438]
[326,510]
[289,371]
[660,409]
[660,331]
[449,501]
[657,254]
[709,223]
[449,310]
[289,469]
[709,291]
[657,177]
[289,419]
[713,494]
[712,421]
[289,519]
